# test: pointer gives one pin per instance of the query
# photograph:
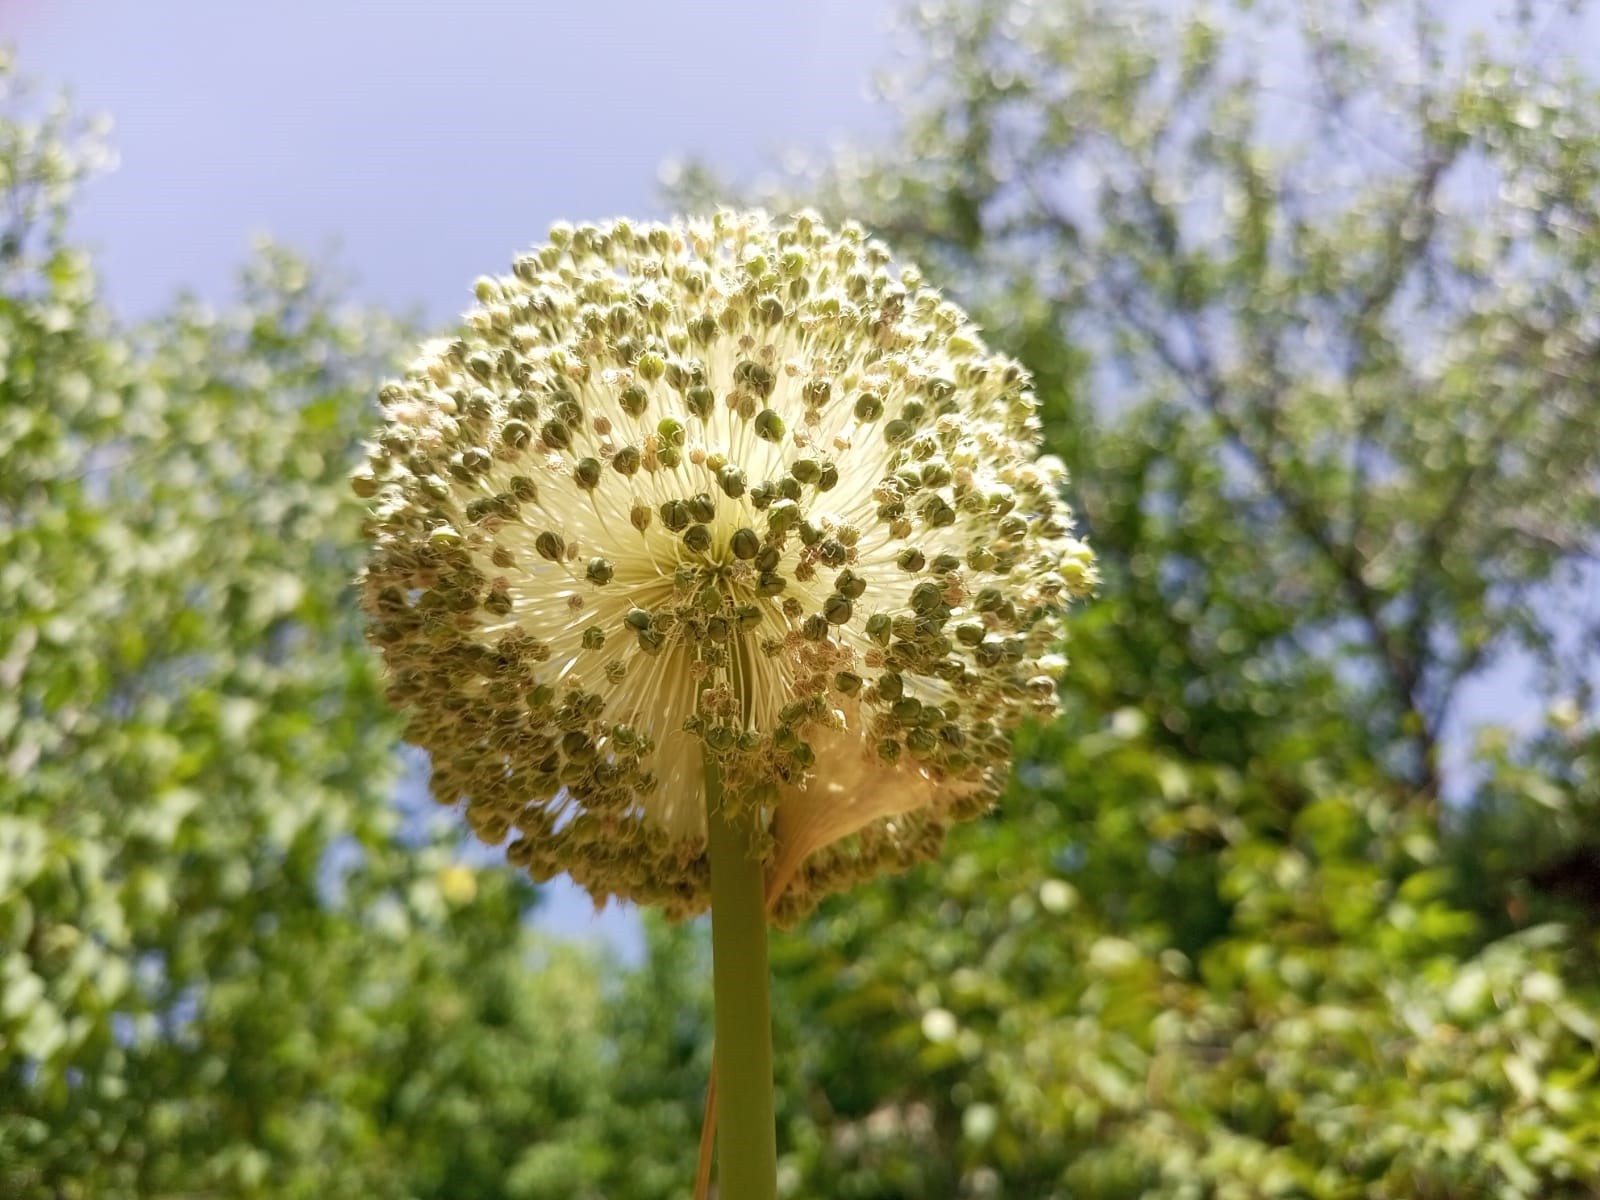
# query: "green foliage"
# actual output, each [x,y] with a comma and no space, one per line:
[226,968]
[1309,293]
[1254,919]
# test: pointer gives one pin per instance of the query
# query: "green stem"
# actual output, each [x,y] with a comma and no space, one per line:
[747,1150]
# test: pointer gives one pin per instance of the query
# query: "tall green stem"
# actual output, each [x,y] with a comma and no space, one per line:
[747,1150]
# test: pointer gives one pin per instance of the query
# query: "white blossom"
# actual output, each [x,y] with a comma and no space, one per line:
[731,488]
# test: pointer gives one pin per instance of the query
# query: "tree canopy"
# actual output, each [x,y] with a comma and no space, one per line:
[1309,296]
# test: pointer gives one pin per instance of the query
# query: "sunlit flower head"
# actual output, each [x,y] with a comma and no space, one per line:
[734,488]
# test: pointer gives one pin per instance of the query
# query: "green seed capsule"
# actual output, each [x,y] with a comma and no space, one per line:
[697,538]
[782,516]
[847,682]
[769,310]
[745,544]
[806,470]
[702,507]
[703,329]
[769,425]
[701,401]
[878,628]
[926,597]
[627,460]
[516,434]
[587,473]
[937,513]
[634,400]
[670,430]
[593,638]
[836,609]
[550,545]
[767,558]
[869,407]
[600,571]
[754,377]
[638,619]
[675,515]
[731,480]
[556,435]
[849,584]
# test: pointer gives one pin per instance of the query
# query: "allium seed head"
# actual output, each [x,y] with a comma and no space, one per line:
[729,490]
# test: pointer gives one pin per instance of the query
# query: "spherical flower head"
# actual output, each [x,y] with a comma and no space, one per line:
[731,491]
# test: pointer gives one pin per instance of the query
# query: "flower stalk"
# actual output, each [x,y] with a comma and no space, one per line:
[714,563]
[746,1144]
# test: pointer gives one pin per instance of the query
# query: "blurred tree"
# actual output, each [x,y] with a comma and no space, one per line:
[1309,292]
[227,966]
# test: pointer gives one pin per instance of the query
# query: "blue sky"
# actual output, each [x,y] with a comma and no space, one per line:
[426,142]
[418,145]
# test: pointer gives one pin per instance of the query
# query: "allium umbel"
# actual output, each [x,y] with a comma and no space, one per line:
[732,490]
